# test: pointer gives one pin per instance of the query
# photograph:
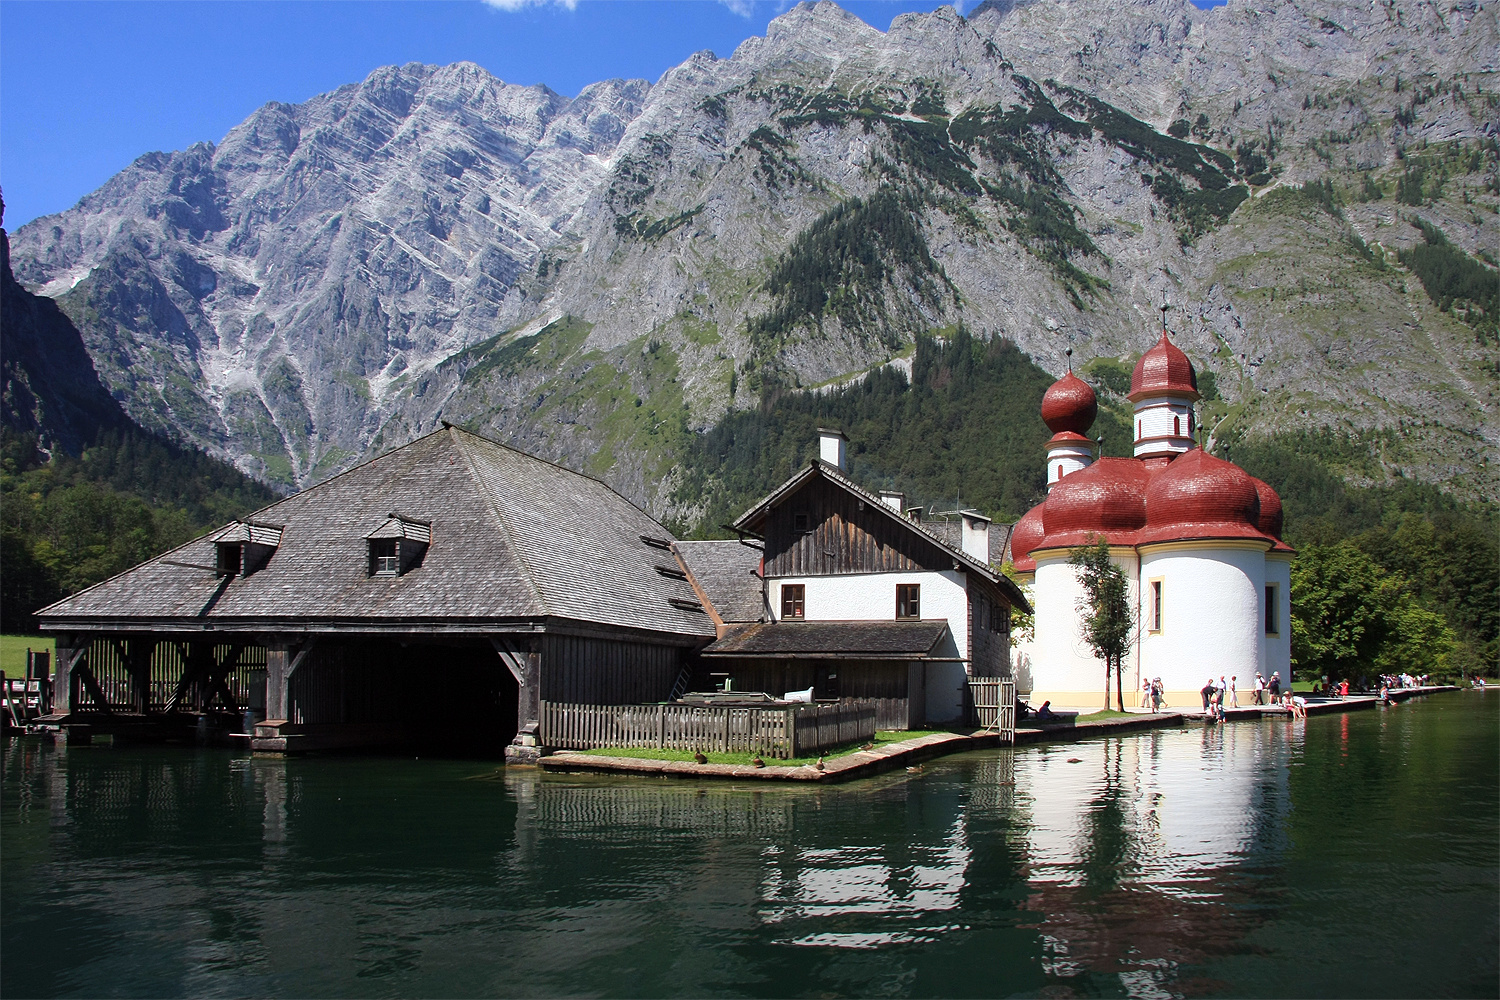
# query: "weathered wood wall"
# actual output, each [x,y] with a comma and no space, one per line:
[842,538]
[579,670]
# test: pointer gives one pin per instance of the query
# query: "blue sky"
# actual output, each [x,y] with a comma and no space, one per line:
[86,87]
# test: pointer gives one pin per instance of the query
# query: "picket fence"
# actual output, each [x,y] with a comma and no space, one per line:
[780,731]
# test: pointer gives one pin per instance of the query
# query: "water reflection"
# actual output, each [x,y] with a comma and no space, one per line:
[1147,865]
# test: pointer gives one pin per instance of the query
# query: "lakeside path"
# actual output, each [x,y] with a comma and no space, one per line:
[908,753]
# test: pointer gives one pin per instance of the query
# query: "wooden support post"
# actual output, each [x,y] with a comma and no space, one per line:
[282,661]
[71,652]
[136,655]
[524,664]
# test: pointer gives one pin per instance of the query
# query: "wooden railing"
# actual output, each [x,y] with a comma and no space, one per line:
[776,731]
[994,705]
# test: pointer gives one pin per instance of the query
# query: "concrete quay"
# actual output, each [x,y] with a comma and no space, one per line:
[909,753]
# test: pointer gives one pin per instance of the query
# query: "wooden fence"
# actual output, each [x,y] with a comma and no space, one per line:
[993,700]
[775,731]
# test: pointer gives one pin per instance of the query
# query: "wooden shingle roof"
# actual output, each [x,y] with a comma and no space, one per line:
[726,572]
[512,537]
[862,640]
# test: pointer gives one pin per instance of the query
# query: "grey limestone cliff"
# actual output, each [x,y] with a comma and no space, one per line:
[597,277]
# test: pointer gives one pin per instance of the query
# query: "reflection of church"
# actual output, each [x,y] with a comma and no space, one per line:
[1198,539]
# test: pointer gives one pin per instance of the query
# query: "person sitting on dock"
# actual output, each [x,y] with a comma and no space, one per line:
[1299,705]
[1045,713]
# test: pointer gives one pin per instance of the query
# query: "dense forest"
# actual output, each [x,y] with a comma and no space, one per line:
[67,521]
[962,430]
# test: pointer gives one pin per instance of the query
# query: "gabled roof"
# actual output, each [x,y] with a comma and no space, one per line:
[512,537]
[726,573]
[843,640]
[754,519]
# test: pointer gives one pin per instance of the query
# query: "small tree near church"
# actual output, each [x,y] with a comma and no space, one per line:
[1105,611]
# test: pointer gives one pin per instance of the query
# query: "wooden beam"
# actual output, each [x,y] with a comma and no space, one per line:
[91,683]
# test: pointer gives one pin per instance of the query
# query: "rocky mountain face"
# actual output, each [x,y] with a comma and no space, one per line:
[600,278]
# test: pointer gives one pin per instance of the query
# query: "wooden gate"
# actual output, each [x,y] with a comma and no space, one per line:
[993,703]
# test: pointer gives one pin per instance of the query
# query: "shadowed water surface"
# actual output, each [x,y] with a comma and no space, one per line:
[1349,855]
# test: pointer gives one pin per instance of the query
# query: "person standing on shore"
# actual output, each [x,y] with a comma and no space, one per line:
[1275,687]
[1234,693]
[1260,689]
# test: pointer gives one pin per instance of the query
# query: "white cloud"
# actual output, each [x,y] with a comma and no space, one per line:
[744,8]
[513,5]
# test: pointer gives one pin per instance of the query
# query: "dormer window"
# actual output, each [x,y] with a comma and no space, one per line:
[398,545]
[385,557]
[231,555]
[244,547]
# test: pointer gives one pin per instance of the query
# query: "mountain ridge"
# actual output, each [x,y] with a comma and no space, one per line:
[600,277]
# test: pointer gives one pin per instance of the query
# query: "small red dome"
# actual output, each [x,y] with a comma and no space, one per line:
[1163,370]
[1069,405]
[1108,498]
[1270,509]
[1200,496]
[1024,537]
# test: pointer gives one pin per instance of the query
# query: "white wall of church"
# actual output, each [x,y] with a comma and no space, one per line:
[1064,668]
[1212,621]
[1277,655]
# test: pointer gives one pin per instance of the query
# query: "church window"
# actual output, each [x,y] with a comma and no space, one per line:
[1156,586]
[908,600]
[1272,623]
[793,600]
[1176,426]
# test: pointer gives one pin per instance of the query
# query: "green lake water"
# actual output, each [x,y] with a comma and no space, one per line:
[1348,855]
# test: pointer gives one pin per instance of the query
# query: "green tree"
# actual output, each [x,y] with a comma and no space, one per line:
[1107,625]
[1350,617]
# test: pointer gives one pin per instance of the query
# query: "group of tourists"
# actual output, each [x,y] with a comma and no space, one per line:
[1153,695]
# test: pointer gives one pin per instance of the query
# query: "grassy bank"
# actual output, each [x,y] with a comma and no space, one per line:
[13,651]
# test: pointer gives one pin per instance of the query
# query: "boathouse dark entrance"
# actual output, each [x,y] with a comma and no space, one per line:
[320,693]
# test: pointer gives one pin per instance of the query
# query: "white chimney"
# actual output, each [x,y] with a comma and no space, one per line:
[915,514]
[976,536]
[831,447]
[894,500]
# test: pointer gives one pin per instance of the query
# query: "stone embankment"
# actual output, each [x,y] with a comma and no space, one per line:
[911,753]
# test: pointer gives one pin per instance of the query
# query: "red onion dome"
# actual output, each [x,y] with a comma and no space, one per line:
[1270,509]
[1069,405]
[1200,496]
[1024,537]
[1163,371]
[1108,498]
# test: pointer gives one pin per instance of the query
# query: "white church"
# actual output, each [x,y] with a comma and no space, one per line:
[1198,539]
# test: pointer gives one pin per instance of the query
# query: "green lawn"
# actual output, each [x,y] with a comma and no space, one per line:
[13,651]
[881,739]
[1101,715]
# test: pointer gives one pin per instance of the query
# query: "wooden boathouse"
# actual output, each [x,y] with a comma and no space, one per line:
[439,592]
